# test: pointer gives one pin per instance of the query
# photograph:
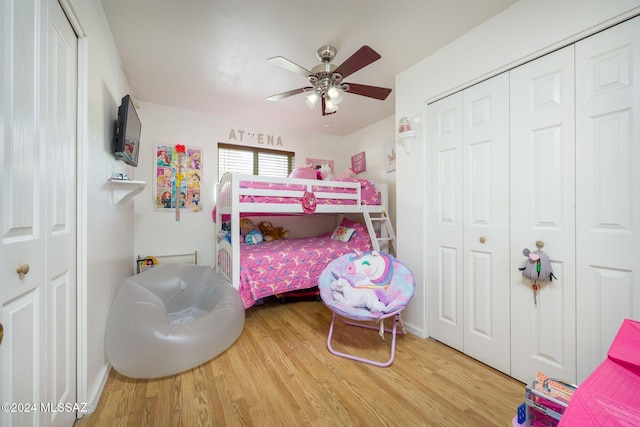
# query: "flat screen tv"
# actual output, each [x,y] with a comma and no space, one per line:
[126,142]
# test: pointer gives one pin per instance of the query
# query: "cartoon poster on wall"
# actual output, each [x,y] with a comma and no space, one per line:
[178,174]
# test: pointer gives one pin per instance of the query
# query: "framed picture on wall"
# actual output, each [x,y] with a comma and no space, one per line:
[390,156]
[359,162]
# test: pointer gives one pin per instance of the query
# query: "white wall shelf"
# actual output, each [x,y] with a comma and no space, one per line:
[407,139]
[124,189]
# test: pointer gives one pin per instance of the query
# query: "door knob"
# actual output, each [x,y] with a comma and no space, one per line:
[483,239]
[22,269]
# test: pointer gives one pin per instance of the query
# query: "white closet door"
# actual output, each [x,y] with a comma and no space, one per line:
[61,214]
[486,222]
[446,222]
[542,161]
[607,188]
[468,260]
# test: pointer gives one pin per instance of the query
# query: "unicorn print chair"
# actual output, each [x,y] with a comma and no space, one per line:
[361,288]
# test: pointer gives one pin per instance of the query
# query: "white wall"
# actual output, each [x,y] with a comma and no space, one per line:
[158,233]
[106,230]
[372,140]
[528,29]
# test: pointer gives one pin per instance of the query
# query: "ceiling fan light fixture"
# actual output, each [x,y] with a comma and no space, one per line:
[330,107]
[336,94]
[311,99]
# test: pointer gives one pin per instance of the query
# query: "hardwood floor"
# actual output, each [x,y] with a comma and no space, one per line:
[280,373]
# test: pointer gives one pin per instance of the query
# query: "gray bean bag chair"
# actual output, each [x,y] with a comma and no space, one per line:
[170,319]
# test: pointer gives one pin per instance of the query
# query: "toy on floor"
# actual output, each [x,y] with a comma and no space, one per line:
[271,233]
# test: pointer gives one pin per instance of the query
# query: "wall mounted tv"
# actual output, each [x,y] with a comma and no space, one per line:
[126,142]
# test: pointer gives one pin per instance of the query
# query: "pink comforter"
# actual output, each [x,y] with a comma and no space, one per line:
[368,193]
[286,265]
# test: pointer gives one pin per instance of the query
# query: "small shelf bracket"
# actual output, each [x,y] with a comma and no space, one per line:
[124,189]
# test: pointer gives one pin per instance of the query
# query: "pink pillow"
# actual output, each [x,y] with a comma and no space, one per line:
[304,173]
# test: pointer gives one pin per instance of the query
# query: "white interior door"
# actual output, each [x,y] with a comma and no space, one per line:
[37,304]
[542,161]
[61,214]
[469,225]
[486,222]
[607,188]
[445,256]
[23,184]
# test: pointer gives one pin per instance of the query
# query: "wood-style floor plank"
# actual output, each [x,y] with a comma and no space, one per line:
[280,373]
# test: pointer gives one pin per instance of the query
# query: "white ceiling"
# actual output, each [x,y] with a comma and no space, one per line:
[211,55]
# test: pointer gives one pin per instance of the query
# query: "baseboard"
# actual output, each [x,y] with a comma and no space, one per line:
[96,393]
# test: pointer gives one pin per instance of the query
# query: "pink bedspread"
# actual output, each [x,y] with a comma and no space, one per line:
[286,265]
[368,193]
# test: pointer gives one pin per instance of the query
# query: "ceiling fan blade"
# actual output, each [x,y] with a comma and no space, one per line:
[288,65]
[287,94]
[370,91]
[363,57]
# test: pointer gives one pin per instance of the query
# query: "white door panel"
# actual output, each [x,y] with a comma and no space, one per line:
[486,222]
[22,296]
[542,162]
[446,225]
[469,268]
[37,215]
[608,188]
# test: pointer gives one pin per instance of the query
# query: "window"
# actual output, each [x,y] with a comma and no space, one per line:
[254,161]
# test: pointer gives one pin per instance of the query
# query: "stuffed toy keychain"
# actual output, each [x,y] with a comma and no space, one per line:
[538,269]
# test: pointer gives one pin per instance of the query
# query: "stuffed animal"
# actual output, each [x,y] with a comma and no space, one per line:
[538,267]
[325,172]
[344,293]
[225,232]
[254,237]
[246,225]
[271,233]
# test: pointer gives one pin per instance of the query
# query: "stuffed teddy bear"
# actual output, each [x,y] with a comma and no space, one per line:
[344,293]
[271,233]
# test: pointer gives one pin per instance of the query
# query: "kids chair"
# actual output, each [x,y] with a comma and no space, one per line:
[366,287]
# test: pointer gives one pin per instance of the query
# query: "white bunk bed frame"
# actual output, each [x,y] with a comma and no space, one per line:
[228,192]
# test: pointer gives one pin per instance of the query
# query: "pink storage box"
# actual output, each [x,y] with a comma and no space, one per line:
[610,396]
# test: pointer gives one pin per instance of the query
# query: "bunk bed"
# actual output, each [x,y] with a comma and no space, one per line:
[284,265]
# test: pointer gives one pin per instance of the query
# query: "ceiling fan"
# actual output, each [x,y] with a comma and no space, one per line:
[326,78]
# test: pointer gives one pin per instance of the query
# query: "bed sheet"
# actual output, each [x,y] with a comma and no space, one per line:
[368,193]
[286,265]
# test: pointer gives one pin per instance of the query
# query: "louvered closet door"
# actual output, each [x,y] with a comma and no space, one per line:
[607,188]
[486,222]
[542,161]
[446,221]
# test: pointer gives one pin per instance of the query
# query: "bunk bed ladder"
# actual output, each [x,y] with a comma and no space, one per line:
[380,230]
